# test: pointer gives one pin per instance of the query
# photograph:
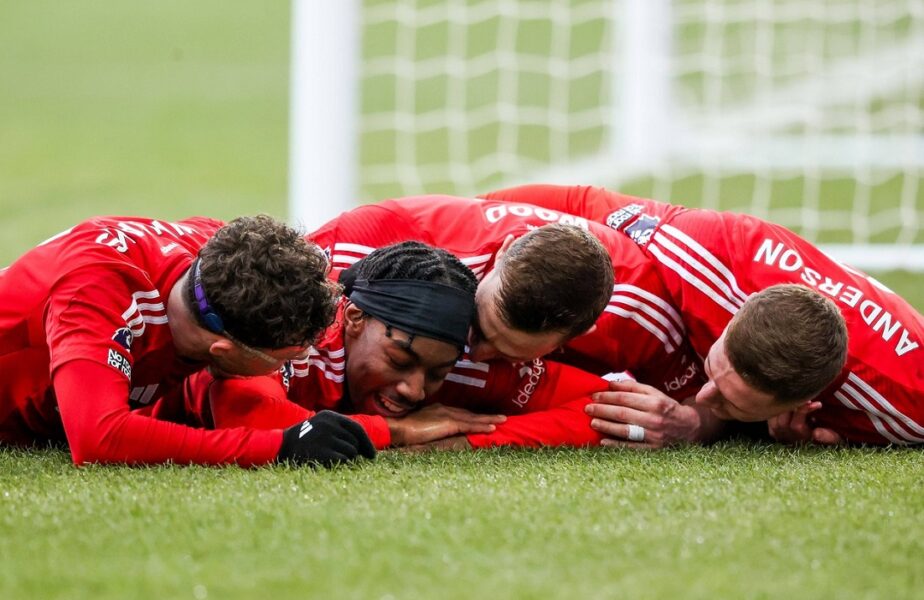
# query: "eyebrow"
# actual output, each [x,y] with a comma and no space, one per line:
[403,345]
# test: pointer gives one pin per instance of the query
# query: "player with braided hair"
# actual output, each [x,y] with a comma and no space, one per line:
[548,282]
[412,260]
[374,362]
[400,328]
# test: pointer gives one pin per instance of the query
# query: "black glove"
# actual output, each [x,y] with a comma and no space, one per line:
[325,439]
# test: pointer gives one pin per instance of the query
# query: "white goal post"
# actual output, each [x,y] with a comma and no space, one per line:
[809,113]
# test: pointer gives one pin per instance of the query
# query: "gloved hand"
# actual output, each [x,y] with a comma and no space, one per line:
[325,439]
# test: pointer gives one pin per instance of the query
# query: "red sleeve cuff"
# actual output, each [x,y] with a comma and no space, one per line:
[376,428]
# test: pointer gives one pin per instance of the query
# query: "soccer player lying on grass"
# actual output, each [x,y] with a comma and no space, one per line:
[398,335]
[712,262]
[114,313]
[544,291]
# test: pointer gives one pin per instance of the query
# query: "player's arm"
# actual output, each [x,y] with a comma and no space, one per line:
[263,403]
[91,374]
[544,403]
[100,428]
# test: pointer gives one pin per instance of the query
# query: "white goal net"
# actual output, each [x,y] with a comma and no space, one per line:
[804,112]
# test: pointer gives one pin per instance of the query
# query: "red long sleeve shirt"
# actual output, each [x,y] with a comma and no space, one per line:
[545,400]
[640,330]
[84,339]
[712,261]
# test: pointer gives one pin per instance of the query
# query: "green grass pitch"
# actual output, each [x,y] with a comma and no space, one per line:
[730,521]
[172,109]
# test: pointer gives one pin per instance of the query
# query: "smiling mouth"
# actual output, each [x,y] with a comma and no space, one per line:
[390,408]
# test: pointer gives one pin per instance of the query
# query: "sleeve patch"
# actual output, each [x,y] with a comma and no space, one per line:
[642,229]
[120,363]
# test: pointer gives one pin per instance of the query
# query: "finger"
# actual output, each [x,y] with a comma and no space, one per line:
[620,433]
[631,385]
[346,447]
[609,428]
[782,421]
[364,445]
[467,427]
[827,437]
[623,416]
[811,407]
[611,443]
[469,416]
[616,431]
[352,427]
[357,437]
[638,400]
[414,449]
[455,443]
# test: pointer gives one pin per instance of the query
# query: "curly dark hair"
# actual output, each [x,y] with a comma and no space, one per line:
[268,284]
[411,260]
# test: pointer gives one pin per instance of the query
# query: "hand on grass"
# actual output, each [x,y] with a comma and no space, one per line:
[436,422]
[456,442]
[326,439]
[795,427]
[666,421]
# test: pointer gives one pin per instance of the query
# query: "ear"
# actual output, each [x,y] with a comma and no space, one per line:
[353,321]
[590,329]
[508,241]
[221,347]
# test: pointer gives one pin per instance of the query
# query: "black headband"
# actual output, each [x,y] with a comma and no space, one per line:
[426,308]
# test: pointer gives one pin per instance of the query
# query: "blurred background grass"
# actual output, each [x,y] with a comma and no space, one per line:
[171,110]
[165,109]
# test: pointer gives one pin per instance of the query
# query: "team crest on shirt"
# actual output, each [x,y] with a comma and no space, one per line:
[642,229]
[123,337]
[617,219]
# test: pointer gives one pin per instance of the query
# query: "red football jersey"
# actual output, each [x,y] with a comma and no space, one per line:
[640,331]
[546,400]
[712,261]
[84,338]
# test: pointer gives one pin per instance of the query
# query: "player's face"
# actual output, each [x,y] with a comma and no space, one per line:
[241,360]
[729,396]
[490,338]
[391,374]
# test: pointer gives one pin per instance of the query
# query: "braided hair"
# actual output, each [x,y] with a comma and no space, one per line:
[414,261]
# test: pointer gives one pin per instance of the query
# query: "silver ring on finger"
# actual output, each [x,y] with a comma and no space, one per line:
[636,433]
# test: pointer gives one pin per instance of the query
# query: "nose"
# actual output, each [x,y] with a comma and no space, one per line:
[411,388]
[708,395]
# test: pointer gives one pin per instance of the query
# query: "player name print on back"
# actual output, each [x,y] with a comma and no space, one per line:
[880,320]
